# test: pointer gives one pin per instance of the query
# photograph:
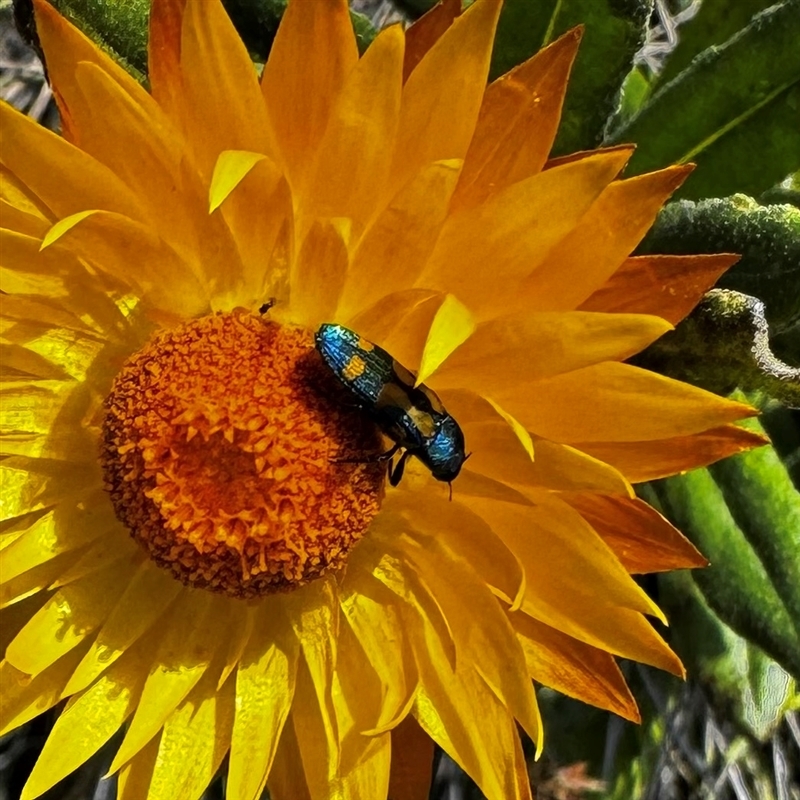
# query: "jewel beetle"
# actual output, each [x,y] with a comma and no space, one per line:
[413,417]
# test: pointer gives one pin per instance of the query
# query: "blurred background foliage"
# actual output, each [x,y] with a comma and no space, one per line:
[717,83]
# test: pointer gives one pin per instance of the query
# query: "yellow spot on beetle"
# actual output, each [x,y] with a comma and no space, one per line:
[365,345]
[354,367]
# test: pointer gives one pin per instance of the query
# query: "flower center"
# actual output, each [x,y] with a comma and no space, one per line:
[235,458]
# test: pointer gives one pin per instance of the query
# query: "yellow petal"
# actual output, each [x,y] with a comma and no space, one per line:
[24,698]
[319,272]
[412,759]
[376,624]
[443,94]
[314,615]
[518,121]
[159,166]
[522,435]
[369,776]
[18,198]
[149,592]
[114,551]
[179,663]
[265,680]
[496,453]
[301,84]
[88,721]
[36,579]
[667,286]
[194,741]
[67,619]
[456,710]
[489,646]
[452,325]
[606,235]
[49,536]
[484,252]
[463,532]
[418,601]
[229,170]
[156,272]
[646,461]
[640,537]
[243,181]
[562,556]
[347,177]
[135,776]
[426,31]
[65,180]
[573,668]
[394,249]
[287,781]
[523,347]
[617,402]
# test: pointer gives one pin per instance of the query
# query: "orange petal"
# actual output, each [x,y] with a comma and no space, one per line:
[647,461]
[164,53]
[517,122]
[311,57]
[443,94]
[217,81]
[640,537]
[667,286]
[426,31]
[612,402]
[377,322]
[396,246]
[347,176]
[614,225]
[573,668]
[319,272]
[484,252]
[525,347]
[159,165]
[412,758]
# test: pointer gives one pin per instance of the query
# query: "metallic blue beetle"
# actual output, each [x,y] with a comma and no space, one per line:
[413,417]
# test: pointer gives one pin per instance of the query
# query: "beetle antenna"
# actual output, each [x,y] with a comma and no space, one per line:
[450,487]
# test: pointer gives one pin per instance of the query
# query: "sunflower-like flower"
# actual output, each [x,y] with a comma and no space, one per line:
[200,544]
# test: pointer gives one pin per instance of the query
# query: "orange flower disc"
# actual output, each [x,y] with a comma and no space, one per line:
[225,451]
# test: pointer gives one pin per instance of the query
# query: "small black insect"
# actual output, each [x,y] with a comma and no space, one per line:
[413,417]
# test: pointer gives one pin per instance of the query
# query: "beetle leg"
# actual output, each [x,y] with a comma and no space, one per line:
[396,474]
[381,457]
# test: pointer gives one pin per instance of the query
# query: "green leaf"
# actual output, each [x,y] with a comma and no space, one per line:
[746,682]
[118,27]
[614,32]
[735,111]
[736,585]
[762,499]
[714,23]
[768,238]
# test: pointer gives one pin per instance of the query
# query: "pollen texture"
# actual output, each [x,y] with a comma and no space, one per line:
[236,459]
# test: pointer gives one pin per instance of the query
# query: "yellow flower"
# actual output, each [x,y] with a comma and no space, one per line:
[155,425]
